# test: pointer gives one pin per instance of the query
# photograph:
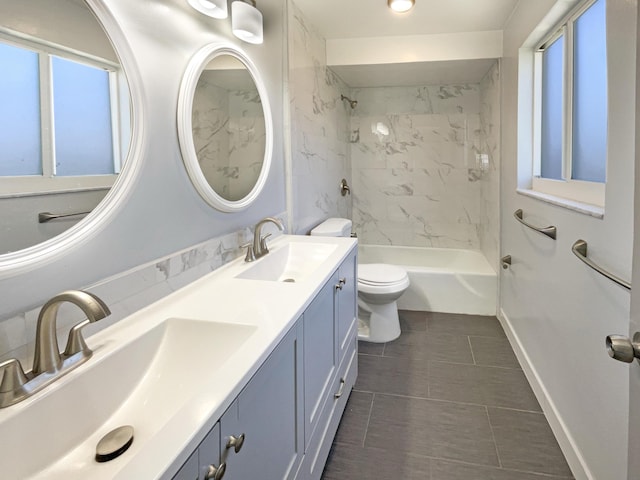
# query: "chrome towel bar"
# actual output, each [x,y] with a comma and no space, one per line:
[579,249]
[45,217]
[548,231]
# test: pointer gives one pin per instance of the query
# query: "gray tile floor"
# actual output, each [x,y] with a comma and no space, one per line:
[445,401]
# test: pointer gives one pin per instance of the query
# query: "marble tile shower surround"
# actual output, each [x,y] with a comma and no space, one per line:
[489,227]
[128,292]
[229,136]
[415,177]
[319,129]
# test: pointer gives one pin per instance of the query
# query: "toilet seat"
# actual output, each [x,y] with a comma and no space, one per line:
[380,274]
[381,278]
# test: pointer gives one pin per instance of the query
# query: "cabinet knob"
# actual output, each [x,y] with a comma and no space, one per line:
[216,473]
[341,283]
[235,442]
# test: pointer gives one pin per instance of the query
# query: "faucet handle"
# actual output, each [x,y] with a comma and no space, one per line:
[263,244]
[13,377]
[75,341]
[250,256]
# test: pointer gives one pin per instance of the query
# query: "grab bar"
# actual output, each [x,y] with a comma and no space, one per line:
[44,217]
[548,231]
[579,249]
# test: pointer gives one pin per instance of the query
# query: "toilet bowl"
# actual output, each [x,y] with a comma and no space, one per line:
[379,287]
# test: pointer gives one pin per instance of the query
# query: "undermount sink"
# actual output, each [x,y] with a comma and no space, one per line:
[293,262]
[142,383]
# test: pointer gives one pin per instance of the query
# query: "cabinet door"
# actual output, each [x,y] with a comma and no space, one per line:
[346,298]
[320,354]
[209,453]
[268,413]
[188,471]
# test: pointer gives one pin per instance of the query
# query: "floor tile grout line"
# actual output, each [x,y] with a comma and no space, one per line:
[475,365]
[550,476]
[442,400]
[472,464]
[493,436]
[473,357]
[366,429]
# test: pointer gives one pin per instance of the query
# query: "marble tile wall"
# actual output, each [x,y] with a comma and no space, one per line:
[127,292]
[415,177]
[229,135]
[319,129]
[489,227]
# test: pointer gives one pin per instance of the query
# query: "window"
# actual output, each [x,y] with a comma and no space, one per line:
[59,119]
[570,107]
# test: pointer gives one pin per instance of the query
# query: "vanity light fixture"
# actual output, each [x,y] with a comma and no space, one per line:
[211,8]
[246,21]
[401,6]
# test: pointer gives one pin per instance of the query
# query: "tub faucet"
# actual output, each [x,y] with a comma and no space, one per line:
[48,363]
[260,241]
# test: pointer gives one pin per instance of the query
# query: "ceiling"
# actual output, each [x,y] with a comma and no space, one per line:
[348,19]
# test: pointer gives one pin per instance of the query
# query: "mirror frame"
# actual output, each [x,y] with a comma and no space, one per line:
[29,258]
[196,66]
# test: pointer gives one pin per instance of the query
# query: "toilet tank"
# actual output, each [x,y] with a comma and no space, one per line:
[333,227]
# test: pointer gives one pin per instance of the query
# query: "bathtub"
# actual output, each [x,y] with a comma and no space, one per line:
[442,279]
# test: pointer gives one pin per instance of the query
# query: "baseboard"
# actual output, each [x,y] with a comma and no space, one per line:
[567,444]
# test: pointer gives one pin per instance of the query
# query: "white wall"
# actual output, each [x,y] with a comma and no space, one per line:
[162,213]
[556,310]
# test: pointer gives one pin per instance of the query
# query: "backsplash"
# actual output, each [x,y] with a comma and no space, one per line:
[319,129]
[128,292]
[416,181]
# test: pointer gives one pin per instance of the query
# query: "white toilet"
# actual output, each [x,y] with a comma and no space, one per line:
[379,287]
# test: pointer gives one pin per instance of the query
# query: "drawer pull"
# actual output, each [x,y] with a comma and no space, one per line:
[341,283]
[235,442]
[340,390]
[216,473]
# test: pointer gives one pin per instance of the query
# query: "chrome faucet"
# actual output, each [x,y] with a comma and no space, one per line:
[48,363]
[259,247]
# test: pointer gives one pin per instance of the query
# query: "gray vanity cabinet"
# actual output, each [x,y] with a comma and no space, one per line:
[288,413]
[330,364]
[320,354]
[268,412]
[346,304]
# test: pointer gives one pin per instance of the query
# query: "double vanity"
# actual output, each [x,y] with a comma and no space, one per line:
[244,374]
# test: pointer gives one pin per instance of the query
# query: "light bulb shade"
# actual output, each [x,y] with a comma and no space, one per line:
[211,8]
[401,6]
[246,22]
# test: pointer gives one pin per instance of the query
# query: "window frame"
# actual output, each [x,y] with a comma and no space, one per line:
[592,193]
[48,182]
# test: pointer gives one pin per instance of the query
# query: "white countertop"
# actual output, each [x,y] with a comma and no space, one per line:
[163,443]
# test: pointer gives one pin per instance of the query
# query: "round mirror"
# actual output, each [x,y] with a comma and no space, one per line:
[225,128]
[65,120]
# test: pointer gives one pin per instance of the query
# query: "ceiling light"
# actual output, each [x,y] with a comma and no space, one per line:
[211,8]
[246,21]
[401,6]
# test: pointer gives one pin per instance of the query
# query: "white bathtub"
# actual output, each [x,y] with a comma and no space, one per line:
[442,279]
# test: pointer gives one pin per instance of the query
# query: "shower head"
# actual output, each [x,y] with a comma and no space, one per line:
[353,103]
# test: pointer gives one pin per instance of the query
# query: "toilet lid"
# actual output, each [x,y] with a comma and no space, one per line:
[380,274]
